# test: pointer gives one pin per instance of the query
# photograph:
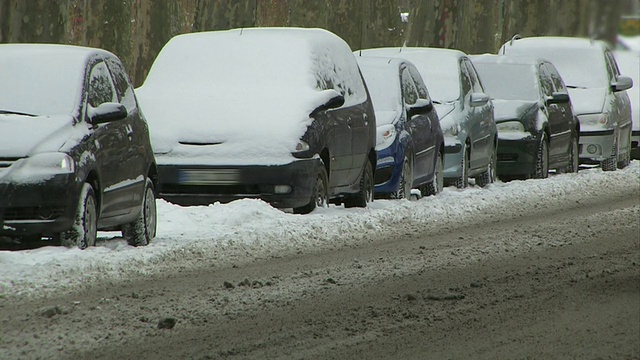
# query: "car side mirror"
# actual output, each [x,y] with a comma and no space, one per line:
[107,112]
[622,83]
[479,99]
[333,103]
[558,98]
[422,106]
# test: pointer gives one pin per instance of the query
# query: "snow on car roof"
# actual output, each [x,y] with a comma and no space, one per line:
[438,67]
[251,89]
[382,76]
[42,79]
[579,61]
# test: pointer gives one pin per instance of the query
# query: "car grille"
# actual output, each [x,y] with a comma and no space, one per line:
[237,189]
[33,213]
[507,157]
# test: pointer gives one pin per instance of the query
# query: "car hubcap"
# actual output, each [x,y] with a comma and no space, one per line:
[150,213]
[90,222]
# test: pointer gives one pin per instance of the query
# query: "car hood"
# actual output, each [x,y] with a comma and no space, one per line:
[587,101]
[444,109]
[21,136]
[232,127]
[504,110]
[385,117]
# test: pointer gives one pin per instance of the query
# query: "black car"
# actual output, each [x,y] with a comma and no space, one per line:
[75,154]
[278,114]
[537,129]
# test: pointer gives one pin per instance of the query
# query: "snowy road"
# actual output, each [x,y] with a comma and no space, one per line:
[519,261]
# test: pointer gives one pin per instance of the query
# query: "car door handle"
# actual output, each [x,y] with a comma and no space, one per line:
[366,119]
[349,122]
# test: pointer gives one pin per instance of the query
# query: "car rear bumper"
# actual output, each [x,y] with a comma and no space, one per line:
[47,207]
[517,157]
[283,186]
[596,146]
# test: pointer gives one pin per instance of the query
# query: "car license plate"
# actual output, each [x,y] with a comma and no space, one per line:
[209,176]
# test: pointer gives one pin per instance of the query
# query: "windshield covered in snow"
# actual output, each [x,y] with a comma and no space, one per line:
[40,80]
[508,81]
[579,67]
[382,81]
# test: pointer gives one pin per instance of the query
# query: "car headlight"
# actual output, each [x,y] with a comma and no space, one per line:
[301,146]
[601,119]
[47,164]
[385,136]
[510,126]
[453,130]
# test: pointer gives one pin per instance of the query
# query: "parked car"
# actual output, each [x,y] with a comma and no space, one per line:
[465,110]
[597,93]
[75,155]
[409,141]
[279,114]
[537,129]
[629,63]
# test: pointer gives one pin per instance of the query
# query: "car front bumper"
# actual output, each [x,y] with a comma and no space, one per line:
[283,186]
[596,146]
[44,208]
[517,157]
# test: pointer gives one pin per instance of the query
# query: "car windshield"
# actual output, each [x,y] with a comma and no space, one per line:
[579,68]
[384,85]
[508,81]
[442,77]
[39,82]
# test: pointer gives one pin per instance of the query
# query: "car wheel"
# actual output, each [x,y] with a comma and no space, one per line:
[365,195]
[542,159]
[143,229]
[463,180]
[489,175]
[84,231]
[320,196]
[609,164]
[434,187]
[406,179]
[574,157]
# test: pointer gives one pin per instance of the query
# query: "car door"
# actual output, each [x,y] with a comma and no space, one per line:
[562,127]
[621,109]
[481,120]
[420,124]
[553,112]
[137,139]
[111,145]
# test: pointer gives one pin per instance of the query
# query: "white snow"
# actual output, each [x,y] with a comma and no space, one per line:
[243,96]
[247,230]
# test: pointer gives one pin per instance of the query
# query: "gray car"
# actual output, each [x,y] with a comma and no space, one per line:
[465,110]
[597,93]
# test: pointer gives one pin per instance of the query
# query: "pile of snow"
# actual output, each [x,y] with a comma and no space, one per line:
[248,230]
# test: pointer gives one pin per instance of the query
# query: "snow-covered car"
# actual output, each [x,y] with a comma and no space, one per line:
[465,111]
[75,153]
[409,141]
[597,92]
[279,114]
[537,129]
[629,63]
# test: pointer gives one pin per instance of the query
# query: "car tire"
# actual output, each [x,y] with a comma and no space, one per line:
[542,159]
[435,186]
[463,180]
[320,196]
[143,229]
[489,175]
[84,231]
[574,156]
[365,194]
[406,180]
[610,163]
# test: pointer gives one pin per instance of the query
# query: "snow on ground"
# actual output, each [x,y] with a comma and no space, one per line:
[249,230]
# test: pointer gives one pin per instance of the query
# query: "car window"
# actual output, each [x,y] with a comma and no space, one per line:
[122,83]
[546,85]
[556,79]
[423,93]
[100,86]
[409,91]
[475,81]
[612,67]
[465,80]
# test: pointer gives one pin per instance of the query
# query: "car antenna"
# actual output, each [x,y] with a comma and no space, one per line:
[241,30]
[514,38]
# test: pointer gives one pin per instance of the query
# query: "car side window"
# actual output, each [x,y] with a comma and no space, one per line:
[423,93]
[100,86]
[475,81]
[546,85]
[612,67]
[465,81]
[556,79]
[409,91]
[122,84]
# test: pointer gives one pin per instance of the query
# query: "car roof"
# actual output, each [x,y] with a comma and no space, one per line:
[506,59]
[70,52]
[416,52]
[557,42]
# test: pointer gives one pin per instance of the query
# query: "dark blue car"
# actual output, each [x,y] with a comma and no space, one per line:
[409,141]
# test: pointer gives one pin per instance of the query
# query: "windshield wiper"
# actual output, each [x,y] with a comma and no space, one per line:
[15,112]
[575,87]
